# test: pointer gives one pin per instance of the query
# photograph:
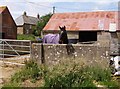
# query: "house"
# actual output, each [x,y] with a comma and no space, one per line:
[8,29]
[25,23]
[101,27]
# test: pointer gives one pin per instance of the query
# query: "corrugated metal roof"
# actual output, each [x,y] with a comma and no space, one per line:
[82,21]
[2,8]
[26,19]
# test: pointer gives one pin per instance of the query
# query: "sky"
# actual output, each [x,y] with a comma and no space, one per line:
[43,7]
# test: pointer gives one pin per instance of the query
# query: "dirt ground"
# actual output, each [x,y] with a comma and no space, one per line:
[8,66]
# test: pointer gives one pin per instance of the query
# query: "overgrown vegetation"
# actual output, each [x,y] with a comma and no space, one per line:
[40,25]
[69,73]
[72,73]
[31,71]
[26,37]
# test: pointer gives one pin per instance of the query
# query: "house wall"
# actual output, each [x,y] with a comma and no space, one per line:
[27,28]
[20,30]
[8,25]
[73,34]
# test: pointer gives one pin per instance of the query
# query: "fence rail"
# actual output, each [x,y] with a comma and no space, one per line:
[9,47]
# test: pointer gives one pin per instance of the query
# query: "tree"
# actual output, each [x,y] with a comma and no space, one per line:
[40,24]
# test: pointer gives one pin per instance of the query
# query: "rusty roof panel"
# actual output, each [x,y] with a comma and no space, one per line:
[81,21]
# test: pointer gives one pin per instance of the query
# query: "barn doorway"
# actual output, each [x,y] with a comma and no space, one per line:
[86,36]
[2,35]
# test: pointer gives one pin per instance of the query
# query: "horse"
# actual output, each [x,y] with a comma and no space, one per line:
[60,38]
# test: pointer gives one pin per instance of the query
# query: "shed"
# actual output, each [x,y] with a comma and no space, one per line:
[86,26]
[8,29]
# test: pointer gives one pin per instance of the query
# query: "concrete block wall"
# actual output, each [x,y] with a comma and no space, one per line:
[54,53]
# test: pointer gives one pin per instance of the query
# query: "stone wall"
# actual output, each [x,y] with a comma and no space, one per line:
[51,54]
[115,43]
[103,38]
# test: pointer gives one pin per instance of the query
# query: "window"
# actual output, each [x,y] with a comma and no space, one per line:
[30,26]
[27,31]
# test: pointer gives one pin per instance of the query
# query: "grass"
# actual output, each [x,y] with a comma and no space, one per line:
[31,71]
[69,73]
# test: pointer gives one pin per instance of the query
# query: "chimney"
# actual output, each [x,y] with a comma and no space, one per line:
[38,16]
[25,13]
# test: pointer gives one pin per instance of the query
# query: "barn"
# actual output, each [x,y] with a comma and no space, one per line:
[8,29]
[97,27]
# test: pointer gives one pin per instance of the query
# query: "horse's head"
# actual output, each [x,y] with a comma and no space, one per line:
[63,35]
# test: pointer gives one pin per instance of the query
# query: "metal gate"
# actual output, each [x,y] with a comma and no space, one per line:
[11,48]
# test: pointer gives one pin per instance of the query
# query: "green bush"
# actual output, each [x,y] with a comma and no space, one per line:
[31,71]
[26,37]
[74,78]
[100,74]
[74,74]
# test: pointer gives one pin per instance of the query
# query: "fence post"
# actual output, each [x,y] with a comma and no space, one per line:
[30,48]
[42,54]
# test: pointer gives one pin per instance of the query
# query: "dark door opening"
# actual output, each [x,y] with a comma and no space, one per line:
[85,36]
[2,35]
